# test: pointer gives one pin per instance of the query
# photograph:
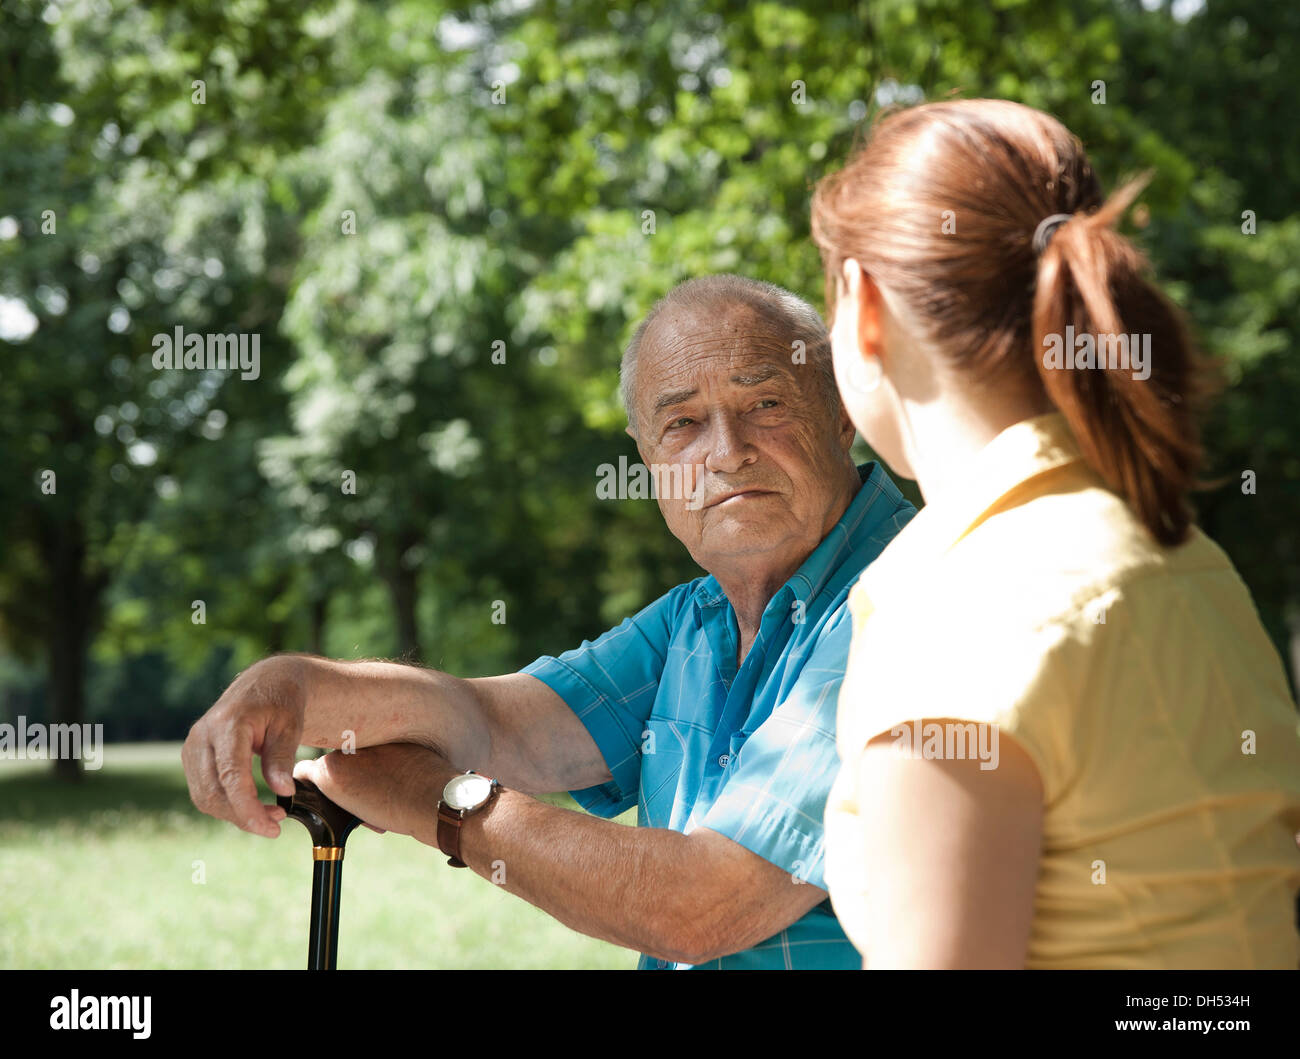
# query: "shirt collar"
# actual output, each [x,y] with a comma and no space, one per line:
[877,500]
[1002,475]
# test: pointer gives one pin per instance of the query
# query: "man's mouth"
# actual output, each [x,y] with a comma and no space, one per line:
[738,497]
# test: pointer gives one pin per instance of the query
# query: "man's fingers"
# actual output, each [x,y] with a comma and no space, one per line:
[191,761]
[334,774]
[329,772]
[233,758]
[205,789]
[278,749]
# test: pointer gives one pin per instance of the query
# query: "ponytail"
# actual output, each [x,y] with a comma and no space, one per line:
[1130,403]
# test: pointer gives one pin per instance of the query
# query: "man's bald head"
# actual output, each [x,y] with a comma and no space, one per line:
[773,310]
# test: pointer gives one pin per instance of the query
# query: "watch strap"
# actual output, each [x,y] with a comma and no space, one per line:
[449,821]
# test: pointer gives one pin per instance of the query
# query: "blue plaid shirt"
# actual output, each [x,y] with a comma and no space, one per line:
[693,741]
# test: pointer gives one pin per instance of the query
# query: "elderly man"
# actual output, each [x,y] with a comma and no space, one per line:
[712,710]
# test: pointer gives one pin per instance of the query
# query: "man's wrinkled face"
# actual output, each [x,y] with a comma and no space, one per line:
[723,411]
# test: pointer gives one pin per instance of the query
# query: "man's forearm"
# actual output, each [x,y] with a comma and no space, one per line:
[630,886]
[686,898]
[361,704]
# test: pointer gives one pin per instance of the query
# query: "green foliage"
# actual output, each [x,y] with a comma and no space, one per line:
[518,178]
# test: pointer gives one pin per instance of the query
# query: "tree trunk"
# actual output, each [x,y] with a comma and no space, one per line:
[73,598]
[275,637]
[318,609]
[278,629]
[67,654]
[402,587]
[403,591]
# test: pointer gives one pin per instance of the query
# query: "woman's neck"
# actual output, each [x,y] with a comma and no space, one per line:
[943,436]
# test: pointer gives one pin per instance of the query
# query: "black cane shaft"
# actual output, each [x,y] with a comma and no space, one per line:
[326,888]
[329,826]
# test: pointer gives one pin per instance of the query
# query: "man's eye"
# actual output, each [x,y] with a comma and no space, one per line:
[684,421]
[768,402]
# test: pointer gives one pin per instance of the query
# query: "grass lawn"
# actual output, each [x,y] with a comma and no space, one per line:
[103,875]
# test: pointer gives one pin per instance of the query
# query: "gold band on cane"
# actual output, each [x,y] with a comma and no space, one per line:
[327,853]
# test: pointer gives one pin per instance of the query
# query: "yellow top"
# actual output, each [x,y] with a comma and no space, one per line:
[1139,680]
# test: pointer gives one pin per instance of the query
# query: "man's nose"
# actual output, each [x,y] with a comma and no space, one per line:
[729,446]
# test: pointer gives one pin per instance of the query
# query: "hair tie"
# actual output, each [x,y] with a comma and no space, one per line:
[1046,227]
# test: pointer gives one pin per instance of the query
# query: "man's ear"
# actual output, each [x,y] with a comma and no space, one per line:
[847,430]
[639,450]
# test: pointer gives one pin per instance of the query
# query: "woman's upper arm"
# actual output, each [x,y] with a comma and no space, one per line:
[951,855]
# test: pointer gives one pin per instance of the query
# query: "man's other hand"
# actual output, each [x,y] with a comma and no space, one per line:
[260,713]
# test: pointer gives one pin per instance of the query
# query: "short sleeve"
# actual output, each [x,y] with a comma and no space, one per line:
[994,674]
[774,799]
[610,684]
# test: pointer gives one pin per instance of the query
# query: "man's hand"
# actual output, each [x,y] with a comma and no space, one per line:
[260,713]
[395,787]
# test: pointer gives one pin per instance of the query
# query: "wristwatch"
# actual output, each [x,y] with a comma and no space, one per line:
[463,795]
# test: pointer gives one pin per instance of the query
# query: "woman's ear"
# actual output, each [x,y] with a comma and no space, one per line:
[858,333]
[869,303]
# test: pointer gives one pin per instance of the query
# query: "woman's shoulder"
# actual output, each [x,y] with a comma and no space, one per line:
[1060,554]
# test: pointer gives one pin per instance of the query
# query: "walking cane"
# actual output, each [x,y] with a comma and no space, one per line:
[329,827]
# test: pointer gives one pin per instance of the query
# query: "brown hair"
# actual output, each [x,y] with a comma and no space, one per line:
[941,206]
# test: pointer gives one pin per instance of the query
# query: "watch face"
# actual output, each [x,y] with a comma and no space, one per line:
[467,792]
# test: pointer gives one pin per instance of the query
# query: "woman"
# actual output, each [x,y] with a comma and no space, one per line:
[1065,739]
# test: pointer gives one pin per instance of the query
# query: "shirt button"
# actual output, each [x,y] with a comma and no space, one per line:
[724,761]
